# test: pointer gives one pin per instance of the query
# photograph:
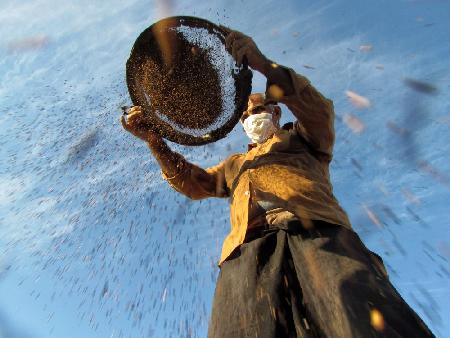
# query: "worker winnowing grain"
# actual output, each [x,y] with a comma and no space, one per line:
[291,266]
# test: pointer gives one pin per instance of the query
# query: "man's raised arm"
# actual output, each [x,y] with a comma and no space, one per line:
[314,112]
[185,177]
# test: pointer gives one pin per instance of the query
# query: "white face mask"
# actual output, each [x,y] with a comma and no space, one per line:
[259,127]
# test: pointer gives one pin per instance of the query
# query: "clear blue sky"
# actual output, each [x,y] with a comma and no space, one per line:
[93,243]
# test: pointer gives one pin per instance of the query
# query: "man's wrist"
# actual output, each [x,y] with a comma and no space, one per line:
[264,67]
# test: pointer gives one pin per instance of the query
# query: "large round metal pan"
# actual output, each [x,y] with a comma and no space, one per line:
[158,45]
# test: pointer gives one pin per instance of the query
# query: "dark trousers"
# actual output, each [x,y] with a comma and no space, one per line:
[299,283]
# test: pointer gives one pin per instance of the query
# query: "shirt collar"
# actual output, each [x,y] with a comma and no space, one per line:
[251,146]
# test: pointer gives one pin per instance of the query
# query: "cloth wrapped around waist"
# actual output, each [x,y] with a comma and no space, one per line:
[264,212]
[292,226]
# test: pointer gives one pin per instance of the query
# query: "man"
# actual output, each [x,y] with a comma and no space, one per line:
[291,265]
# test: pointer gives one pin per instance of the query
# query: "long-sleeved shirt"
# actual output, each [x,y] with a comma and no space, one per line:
[289,170]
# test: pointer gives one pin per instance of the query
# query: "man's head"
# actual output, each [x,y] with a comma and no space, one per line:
[257,104]
[261,119]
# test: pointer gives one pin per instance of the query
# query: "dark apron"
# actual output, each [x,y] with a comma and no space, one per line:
[285,281]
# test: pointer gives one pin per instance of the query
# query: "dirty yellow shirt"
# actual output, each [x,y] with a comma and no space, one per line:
[291,169]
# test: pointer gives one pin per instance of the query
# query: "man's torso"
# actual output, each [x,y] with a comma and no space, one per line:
[284,176]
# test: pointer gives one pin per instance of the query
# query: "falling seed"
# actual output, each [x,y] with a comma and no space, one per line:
[443,120]
[397,129]
[376,320]
[305,322]
[355,124]
[420,86]
[307,223]
[372,216]
[435,173]
[444,250]
[358,100]
[309,67]
[410,196]
[31,43]
[105,289]
[275,92]
[383,189]
[388,211]
[164,295]
[356,164]
[194,50]
[365,48]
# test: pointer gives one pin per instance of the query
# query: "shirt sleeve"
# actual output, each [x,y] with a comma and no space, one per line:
[198,183]
[314,112]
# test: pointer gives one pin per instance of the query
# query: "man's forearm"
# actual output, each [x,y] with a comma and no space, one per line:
[314,112]
[186,178]
[279,77]
[169,161]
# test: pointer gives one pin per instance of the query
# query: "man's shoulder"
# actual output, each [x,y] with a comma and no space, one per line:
[234,157]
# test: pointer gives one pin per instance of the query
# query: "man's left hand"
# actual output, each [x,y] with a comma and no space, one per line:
[241,45]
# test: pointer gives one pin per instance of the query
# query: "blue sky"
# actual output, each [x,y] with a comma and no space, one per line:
[95,244]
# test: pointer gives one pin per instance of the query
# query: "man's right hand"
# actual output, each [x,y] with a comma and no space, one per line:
[134,124]
[241,45]
[169,161]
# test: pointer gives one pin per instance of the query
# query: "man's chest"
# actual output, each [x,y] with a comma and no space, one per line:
[284,148]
